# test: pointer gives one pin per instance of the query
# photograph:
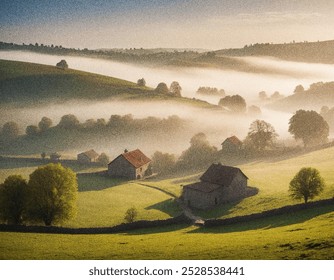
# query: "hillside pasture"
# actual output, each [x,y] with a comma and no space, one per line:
[310,238]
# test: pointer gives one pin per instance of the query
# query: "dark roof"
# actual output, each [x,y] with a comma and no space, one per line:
[220,174]
[234,140]
[203,187]
[136,158]
[90,154]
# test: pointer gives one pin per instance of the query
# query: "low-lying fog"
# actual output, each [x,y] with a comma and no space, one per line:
[215,124]
[248,85]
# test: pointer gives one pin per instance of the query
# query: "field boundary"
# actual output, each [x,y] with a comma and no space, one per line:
[179,220]
[142,224]
[289,209]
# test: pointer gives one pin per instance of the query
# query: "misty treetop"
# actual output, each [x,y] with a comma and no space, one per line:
[211,91]
[71,133]
[310,127]
[234,103]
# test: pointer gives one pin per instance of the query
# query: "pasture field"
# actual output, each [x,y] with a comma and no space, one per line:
[306,236]
[102,201]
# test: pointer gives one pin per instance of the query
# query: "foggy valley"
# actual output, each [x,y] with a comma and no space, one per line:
[216,124]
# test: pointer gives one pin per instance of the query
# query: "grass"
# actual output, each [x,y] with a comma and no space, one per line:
[107,207]
[307,234]
[312,239]
[23,83]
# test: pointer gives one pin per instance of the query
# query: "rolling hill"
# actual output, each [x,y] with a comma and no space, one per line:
[313,52]
[33,83]
[23,84]
[317,95]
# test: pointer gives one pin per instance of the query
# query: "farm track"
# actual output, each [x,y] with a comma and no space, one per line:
[185,209]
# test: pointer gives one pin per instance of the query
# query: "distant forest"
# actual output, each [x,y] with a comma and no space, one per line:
[69,133]
[320,52]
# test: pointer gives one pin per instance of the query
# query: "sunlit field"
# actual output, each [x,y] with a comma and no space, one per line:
[305,234]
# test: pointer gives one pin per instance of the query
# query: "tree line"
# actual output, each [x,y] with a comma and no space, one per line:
[116,123]
[307,126]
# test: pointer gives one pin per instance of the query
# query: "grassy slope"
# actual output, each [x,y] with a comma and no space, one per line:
[312,239]
[29,84]
[306,234]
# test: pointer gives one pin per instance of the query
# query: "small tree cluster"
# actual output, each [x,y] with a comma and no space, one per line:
[48,197]
[234,103]
[174,89]
[211,91]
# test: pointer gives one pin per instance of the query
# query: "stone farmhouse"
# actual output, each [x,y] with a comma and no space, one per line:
[87,157]
[219,184]
[131,165]
[231,145]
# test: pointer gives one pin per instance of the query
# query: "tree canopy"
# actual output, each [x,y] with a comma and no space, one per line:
[10,131]
[306,184]
[53,194]
[141,82]
[234,103]
[13,198]
[44,124]
[199,154]
[162,88]
[261,135]
[163,163]
[175,89]
[310,127]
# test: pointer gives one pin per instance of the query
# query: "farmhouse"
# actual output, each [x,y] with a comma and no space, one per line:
[131,165]
[219,184]
[87,157]
[231,145]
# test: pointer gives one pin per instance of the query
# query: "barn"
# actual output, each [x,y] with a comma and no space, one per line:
[131,165]
[231,145]
[219,184]
[87,157]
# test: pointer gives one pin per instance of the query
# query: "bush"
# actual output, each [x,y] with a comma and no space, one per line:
[130,215]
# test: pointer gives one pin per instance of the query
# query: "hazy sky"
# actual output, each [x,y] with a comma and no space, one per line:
[208,24]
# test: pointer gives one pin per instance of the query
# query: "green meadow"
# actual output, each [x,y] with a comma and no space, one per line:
[102,201]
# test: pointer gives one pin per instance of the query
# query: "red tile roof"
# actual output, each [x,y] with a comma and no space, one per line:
[234,140]
[136,158]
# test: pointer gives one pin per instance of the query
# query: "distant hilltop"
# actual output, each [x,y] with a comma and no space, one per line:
[316,52]
[311,52]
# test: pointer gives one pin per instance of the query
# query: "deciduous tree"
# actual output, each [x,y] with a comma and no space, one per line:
[53,193]
[306,184]
[310,127]
[234,103]
[261,135]
[13,198]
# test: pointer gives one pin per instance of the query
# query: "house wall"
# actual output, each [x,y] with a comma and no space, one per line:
[120,167]
[83,158]
[236,190]
[200,200]
[140,172]
[229,147]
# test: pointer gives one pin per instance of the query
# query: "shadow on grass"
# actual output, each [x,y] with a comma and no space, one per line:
[270,222]
[13,163]
[154,230]
[97,182]
[168,206]
[217,212]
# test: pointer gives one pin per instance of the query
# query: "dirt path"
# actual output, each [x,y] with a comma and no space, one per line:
[185,209]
